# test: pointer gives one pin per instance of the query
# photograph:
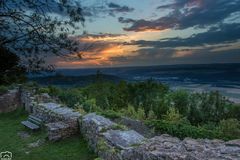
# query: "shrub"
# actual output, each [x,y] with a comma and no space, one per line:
[161,106]
[182,130]
[174,116]
[110,114]
[71,97]
[140,114]
[180,100]
[31,84]
[43,90]
[89,105]
[151,115]
[130,112]
[3,89]
[54,91]
[233,111]
[207,107]
[230,127]
[210,126]
[79,108]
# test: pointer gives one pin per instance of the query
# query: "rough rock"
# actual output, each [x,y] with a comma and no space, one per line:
[167,147]
[91,125]
[136,125]
[9,101]
[36,144]
[58,130]
[123,139]
[234,143]
[23,134]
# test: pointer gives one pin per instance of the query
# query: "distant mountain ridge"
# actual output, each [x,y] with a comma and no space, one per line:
[62,80]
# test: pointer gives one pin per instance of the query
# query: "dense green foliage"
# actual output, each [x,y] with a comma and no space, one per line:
[71,148]
[180,113]
[183,130]
[10,69]
[3,89]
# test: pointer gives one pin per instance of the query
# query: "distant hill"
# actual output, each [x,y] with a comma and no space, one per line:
[62,80]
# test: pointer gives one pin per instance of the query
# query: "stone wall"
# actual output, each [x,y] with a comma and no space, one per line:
[112,141]
[61,122]
[167,147]
[9,101]
[58,130]
[27,100]
[136,125]
[106,138]
[52,112]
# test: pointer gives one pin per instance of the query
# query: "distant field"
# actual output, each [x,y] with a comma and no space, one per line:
[202,77]
[232,93]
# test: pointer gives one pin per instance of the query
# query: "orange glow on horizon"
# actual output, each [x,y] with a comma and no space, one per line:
[100,58]
[182,53]
[107,47]
[107,38]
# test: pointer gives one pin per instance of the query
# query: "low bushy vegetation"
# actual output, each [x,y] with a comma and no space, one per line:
[183,130]
[3,89]
[179,113]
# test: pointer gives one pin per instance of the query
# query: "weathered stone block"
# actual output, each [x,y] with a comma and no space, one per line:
[9,101]
[167,147]
[57,131]
[91,125]
[123,139]
[136,125]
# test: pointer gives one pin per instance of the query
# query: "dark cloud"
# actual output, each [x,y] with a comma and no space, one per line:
[185,14]
[167,51]
[176,5]
[114,8]
[95,11]
[100,35]
[126,20]
[156,56]
[225,33]
[117,8]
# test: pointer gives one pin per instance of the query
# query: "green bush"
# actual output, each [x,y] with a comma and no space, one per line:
[130,111]
[140,115]
[110,114]
[89,105]
[43,90]
[71,97]
[230,127]
[172,115]
[207,107]
[31,85]
[3,89]
[233,111]
[54,91]
[151,115]
[79,108]
[182,130]
[179,99]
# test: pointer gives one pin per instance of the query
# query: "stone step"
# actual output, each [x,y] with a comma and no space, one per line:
[34,121]
[30,125]
[35,118]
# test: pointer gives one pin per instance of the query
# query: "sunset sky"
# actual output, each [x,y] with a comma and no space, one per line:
[157,32]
